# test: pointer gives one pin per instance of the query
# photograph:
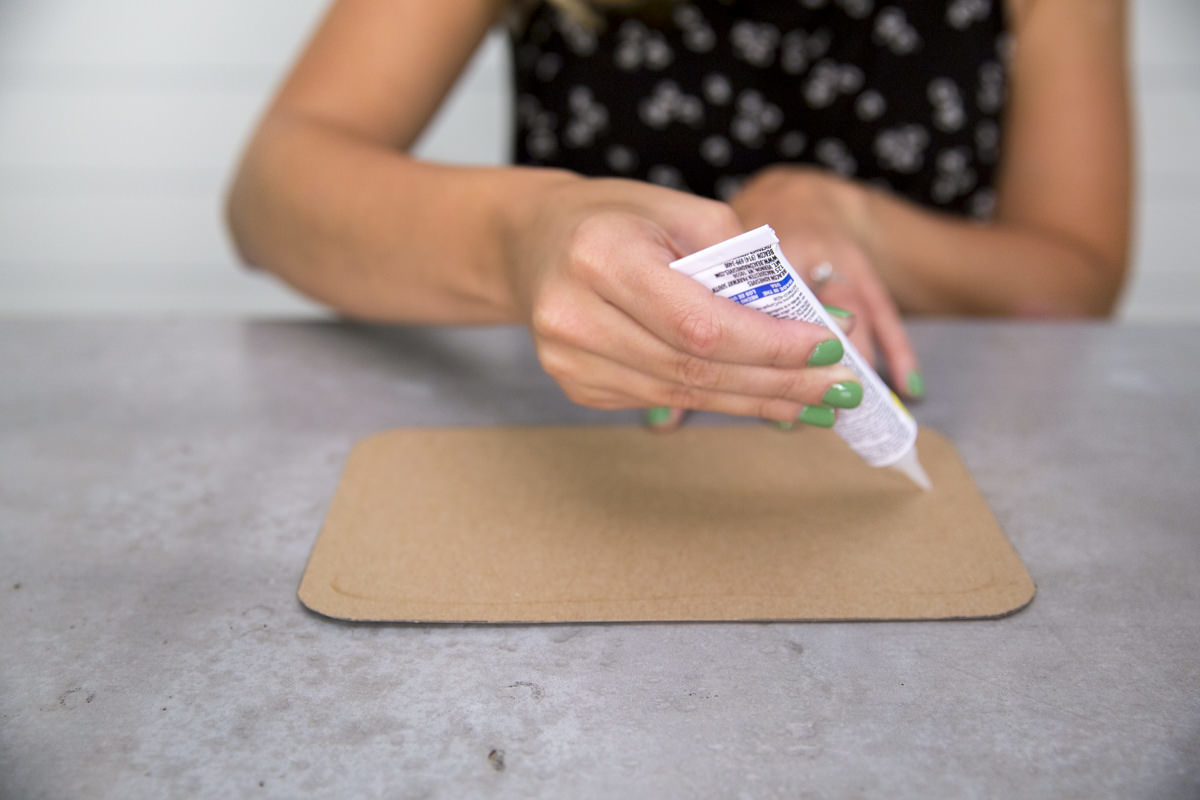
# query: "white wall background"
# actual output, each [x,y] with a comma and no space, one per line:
[120,121]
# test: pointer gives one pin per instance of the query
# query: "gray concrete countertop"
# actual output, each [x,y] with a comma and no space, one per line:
[162,482]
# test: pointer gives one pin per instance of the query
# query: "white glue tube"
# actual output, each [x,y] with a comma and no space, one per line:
[751,269]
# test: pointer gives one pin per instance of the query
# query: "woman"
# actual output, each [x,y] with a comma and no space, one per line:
[328,197]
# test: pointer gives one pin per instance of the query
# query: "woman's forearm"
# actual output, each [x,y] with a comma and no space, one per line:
[375,233]
[1059,244]
[934,263]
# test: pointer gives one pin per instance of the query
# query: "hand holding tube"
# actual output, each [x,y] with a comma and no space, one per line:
[618,329]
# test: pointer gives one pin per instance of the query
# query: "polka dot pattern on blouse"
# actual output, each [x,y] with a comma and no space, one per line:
[906,94]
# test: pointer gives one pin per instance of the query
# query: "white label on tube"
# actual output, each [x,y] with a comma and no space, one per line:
[750,269]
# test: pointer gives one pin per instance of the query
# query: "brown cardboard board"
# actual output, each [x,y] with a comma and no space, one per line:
[618,524]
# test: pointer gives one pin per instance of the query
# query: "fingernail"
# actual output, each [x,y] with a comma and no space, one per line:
[827,352]
[784,426]
[915,384]
[847,394]
[820,416]
[658,416]
[839,312]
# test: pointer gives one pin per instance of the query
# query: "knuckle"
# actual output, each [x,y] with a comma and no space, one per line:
[589,396]
[699,332]
[551,320]
[589,244]
[579,395]
[609,403]
[698,372]
[554,362]
[772,180]
[679,396]
[776,350]
[854,257]
[768,408]
[721,218]
[792,386]
[584,263]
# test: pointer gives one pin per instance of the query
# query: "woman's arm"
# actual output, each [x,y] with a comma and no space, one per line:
[1059,243]
[328,198]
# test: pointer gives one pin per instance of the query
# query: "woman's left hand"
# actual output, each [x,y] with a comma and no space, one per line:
[821,219]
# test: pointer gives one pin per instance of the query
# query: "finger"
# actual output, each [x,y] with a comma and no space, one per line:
[891,336]
[846,295]
[688,222]
[634,277]
[700,223]
[611,336]
[844,318]
[601,382]
[662,419]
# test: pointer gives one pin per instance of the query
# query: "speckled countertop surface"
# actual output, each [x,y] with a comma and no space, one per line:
[162,481]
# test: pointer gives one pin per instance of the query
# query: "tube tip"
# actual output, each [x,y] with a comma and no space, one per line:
[910,465]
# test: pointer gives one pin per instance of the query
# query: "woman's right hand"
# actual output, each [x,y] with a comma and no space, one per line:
[617,328]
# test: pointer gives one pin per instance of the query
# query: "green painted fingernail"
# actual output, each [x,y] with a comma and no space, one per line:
[847,394]
[820,416]
[827,352]
[839,312]
[784,426]
[659,415]
[915,384]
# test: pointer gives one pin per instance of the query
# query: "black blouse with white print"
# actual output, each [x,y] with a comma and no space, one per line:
[699,95]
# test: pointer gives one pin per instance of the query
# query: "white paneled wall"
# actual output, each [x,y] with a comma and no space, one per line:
[120,121]
[1166,278]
